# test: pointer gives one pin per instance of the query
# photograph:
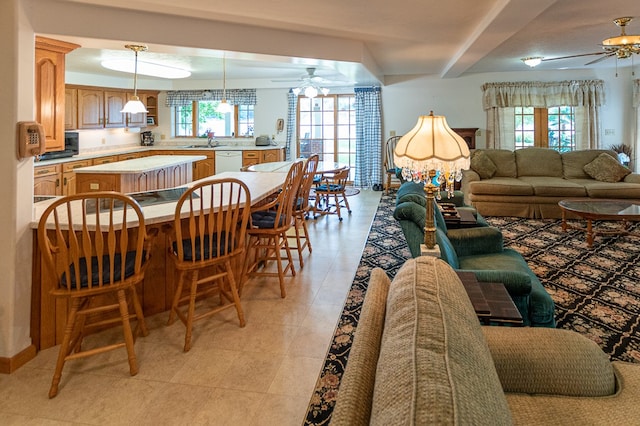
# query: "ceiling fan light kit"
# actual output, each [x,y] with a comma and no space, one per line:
[532,61]
[622,46]
[308,87]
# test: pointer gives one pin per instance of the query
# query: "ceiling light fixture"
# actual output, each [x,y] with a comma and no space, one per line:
[223,106]
[135,106]
[532,61]
[623,45]
[145,68]
[309,86]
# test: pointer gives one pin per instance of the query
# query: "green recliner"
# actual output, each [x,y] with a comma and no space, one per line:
[479,250]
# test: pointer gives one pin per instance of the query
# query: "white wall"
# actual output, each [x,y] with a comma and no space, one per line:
[460,100]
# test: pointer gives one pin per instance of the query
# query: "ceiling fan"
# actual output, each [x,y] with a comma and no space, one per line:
[622,46]
[310,85]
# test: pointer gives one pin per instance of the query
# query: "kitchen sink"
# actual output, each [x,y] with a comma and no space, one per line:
[201,146]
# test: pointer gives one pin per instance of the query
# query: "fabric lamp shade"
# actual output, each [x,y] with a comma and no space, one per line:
[432,145]
[134,106]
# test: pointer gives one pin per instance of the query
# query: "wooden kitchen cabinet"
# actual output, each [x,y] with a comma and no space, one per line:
[202,168]
[69,175]
[114,101]
[50,90]
[104,160]
[70,108]
[252,157]
[99,107]
[90,109]
[46,180]
[249,158]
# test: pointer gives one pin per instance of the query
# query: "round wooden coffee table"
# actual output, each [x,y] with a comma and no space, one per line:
[600,209]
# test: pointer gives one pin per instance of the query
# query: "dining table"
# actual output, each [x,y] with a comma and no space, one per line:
[324,167]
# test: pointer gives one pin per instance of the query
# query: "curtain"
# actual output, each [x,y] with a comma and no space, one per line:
[233,96]
[586,96]
[292,100]
[368,108]
[636,127]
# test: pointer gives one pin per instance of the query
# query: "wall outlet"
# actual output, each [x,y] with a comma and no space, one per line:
[163,136]
[609,132]
[392,133]
[104,141]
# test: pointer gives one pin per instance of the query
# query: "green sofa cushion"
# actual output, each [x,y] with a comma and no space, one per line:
[501,186]
[482,164]
[505,161]
[573,162]
[547,186]
[413,192]
[538,162]
[434,365]
[606,169]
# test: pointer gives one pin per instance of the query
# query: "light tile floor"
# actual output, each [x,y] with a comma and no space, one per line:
[262,374]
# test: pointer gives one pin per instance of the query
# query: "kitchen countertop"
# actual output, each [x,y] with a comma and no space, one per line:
[183,147]
[260,185]
[140,165]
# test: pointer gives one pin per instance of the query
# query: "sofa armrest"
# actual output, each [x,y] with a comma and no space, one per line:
[468,176]
[632,178]
[355,394]
[549,361]
[477,240]
[517,283]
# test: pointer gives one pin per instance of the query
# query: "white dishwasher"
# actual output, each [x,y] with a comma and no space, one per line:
[228,161]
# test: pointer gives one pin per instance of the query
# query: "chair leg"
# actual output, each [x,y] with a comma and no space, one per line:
[176,298]
[335,198]
[388,184]
[126,331]
[192,308]
[141,322]
[235,294]
[346,202]
[64,347]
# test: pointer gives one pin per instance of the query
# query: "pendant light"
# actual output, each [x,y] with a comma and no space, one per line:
[135,106]
[223,106]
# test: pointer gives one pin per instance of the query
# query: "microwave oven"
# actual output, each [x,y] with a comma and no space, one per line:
[71,147]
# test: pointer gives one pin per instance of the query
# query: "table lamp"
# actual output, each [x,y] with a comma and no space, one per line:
[431,148]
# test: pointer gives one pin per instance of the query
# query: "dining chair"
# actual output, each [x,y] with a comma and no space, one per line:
[206,243]
[302,207]
[333,186]
[97,248]
[268,231]
[389,166]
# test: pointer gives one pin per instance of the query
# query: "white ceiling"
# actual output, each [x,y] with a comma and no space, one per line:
[371,41]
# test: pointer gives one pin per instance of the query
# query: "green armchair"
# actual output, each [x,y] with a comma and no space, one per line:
[480,250]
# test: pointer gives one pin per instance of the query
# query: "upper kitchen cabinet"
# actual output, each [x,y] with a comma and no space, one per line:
[99,107]
[50,89]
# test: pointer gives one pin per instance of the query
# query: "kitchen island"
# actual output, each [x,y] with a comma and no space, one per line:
[49,316]
[137,175]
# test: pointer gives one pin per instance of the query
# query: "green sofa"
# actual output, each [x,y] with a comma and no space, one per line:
[479,250]
[530,182]
[420,356]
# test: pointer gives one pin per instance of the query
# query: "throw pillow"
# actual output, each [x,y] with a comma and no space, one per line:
[605,168]
[482,165]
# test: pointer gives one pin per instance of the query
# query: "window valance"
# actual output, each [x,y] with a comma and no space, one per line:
[587,93]
[234,96]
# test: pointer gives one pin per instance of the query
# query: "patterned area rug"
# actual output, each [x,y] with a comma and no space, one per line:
[596,290]
[385,248]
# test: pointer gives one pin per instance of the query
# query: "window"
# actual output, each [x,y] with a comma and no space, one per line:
[545,127]
[201,117]
[327,126]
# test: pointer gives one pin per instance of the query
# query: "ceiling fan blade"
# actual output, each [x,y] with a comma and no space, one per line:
[602,58]
[574,56]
